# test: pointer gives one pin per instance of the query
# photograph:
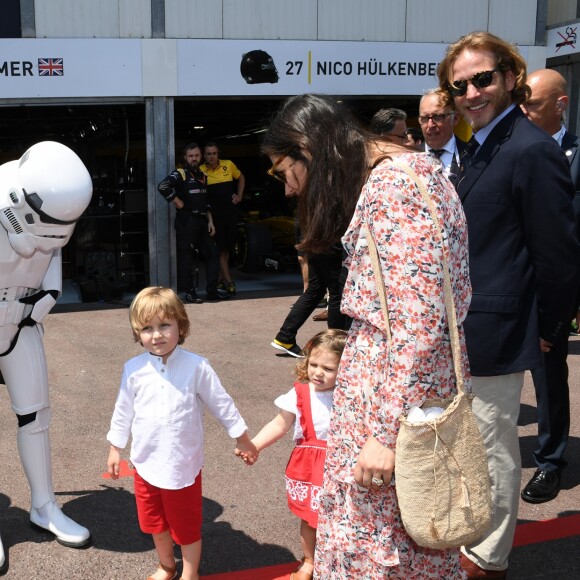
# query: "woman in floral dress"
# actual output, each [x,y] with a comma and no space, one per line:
[351,187]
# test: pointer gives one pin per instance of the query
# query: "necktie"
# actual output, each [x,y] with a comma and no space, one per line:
[466,158]
[454,170]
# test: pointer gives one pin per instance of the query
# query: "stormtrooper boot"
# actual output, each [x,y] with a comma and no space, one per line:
[34,449]
[2,557]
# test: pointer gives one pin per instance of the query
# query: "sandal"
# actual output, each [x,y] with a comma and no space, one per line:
[299,575]
[171,571]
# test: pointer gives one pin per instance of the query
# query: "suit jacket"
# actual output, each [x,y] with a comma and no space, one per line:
[454,166]
[523,250]
[570,147]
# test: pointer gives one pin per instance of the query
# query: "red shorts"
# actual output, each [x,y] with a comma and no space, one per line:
[176,510]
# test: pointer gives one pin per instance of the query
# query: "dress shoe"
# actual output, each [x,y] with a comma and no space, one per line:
[322,317]
[544,486]
[474,571]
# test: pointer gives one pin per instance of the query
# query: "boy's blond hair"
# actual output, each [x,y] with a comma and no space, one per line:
[332,340]
[158,301]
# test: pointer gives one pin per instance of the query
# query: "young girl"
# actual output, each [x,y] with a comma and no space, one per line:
[307,407]
[160,405]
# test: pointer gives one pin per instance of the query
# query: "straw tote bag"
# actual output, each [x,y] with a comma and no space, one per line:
[442,478]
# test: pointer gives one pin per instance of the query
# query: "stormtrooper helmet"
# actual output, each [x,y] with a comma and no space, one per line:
[258,67]
[42,195]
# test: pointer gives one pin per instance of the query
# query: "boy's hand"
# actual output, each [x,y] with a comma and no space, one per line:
[113,462]
[246,449]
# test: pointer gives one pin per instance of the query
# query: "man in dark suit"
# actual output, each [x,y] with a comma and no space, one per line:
[517,195]
[546,108]
[438,118]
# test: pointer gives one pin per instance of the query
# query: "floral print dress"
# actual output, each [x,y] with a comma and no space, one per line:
[360,533]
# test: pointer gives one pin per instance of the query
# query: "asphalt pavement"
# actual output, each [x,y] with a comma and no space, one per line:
[247,525]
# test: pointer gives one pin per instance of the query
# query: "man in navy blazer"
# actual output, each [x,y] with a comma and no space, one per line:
[517,195]
[546,108]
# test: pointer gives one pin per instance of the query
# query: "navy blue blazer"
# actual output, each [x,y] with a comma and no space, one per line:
[523,250]
[570,147]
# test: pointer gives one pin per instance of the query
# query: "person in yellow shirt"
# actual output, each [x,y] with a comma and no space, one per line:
[221,174]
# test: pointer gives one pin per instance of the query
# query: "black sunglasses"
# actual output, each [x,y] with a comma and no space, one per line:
[481,80]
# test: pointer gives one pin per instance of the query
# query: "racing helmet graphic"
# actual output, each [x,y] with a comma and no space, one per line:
[258,67]
[42,195]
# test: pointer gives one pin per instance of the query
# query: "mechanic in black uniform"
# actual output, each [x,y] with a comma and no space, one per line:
[194,227]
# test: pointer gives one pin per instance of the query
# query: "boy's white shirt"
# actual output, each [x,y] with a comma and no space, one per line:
[161,407]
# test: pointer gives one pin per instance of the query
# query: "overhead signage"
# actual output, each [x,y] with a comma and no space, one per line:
[261,67]
[101,67]
[70,67]
[563,41]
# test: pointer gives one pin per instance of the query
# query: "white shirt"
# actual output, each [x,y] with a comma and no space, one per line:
[558,136]
[320,405]
[450,150]
[161,408]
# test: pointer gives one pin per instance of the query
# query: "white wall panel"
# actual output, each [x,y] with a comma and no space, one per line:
[193,19]
[560,11]
[514,20]
[362,20]
[266,19]
[77,18]
[444,20]
[135,18]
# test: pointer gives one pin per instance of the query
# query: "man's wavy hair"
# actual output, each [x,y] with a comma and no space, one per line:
[507,58]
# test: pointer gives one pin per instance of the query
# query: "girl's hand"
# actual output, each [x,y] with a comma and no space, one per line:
[375,463]
[246,449]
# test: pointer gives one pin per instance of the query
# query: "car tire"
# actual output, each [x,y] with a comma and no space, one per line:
[253,244]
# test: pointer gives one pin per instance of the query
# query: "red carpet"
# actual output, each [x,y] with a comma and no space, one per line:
[537,532]
[526,534]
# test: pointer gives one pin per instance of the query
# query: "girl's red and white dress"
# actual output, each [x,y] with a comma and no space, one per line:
[306,464]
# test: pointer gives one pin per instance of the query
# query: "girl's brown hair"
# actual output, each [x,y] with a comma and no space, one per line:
[158,301]
[332,340]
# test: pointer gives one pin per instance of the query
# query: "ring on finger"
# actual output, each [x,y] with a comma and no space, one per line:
[378,481]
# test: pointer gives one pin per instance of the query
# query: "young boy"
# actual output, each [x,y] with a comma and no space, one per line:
[160,405]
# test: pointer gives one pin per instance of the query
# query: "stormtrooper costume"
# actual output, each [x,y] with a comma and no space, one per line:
[42,195]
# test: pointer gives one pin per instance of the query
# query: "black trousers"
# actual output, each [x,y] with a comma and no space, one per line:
[325,271]
[191,233]
[553,406]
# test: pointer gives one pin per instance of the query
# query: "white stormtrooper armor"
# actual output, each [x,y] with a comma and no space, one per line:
[42,195]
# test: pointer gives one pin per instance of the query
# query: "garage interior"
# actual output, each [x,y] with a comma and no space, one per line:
[108,254]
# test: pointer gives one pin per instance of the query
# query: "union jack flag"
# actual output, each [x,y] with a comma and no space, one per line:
[50,67]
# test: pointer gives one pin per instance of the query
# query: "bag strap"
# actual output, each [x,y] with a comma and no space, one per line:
[447,290]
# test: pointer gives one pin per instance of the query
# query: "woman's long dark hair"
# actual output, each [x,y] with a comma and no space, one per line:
[337,164]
